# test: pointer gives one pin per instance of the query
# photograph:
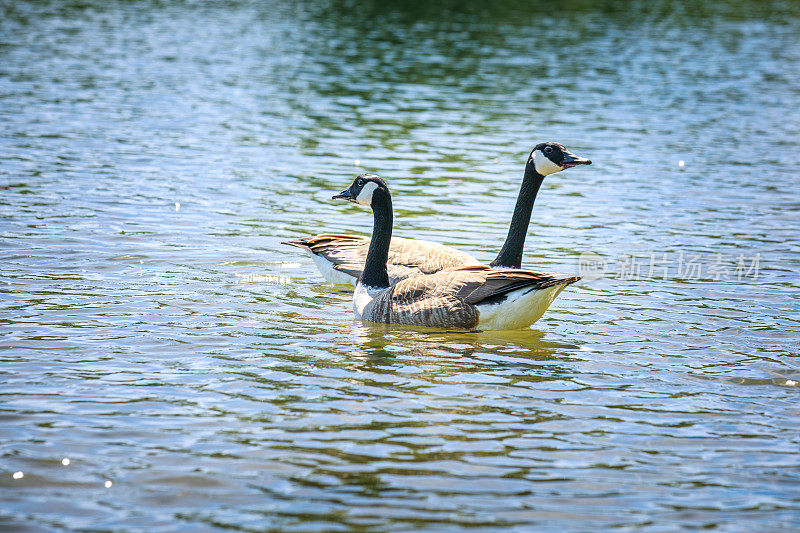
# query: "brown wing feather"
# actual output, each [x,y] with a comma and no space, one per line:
[500,282]
[407,257]
[428,300]
[396,272]
[336,248]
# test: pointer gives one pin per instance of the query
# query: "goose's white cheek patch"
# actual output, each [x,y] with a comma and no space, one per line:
[543,165]
[365,196]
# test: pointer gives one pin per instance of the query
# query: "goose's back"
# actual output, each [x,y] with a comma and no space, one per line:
[407,257]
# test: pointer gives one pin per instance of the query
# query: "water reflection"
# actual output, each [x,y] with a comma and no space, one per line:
[377,341]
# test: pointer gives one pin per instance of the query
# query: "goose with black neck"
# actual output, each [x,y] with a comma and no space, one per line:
[467,297]
[545,159]
[411,257]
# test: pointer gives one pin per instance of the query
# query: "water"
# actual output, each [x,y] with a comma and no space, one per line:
[156,334]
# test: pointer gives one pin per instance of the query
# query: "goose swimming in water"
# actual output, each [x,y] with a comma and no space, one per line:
[340,258]
[469,297]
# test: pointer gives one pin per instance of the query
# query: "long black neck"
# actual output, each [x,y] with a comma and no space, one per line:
[510,255]
[375,274]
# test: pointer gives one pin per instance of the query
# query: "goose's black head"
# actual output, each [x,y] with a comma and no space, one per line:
[364,189]
[551,157]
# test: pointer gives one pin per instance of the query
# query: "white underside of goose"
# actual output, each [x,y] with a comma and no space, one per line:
[362,296]
[519,310]
[330,274]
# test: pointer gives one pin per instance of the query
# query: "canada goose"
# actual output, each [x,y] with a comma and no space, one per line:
[470,297]
[411,257]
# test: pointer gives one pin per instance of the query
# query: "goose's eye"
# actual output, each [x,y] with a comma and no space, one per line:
[360,182]
[548,149]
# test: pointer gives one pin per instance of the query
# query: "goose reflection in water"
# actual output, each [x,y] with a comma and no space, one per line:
[376,342]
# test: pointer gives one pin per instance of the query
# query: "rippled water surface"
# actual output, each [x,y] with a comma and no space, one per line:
[198,375]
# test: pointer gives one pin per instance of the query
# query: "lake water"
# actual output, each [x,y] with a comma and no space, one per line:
[200,376]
